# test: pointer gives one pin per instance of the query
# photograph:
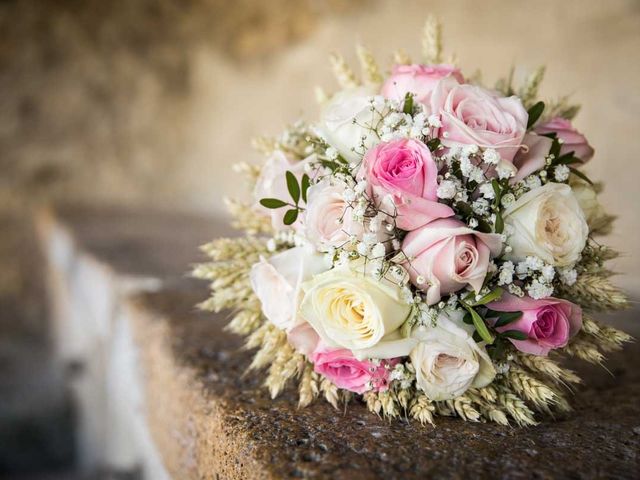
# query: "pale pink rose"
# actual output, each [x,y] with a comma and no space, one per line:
[345,371]
[472,115]
[448,256]
[303,338]
[328,219]
[573,140]
[417,79]
[549,323]
[532,156]
[272,183]
[276,282]
[404,172]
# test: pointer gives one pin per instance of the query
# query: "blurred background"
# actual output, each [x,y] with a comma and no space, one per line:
[149,102]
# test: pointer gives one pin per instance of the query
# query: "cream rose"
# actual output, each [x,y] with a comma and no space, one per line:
[547,222]
[351,309]
[345,122]
[448,360]
[276,282]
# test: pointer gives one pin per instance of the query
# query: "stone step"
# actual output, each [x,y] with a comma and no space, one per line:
[162,388]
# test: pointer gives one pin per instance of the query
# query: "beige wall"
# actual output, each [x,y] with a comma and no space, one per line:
[154,104]
[591,50]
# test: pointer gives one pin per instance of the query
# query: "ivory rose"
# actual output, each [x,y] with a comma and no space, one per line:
[447,359]
[548,223]
[329,218]
[346,122]
[573,140]
[449,256]
[271,183]
[351,309]
[404,171]
[277,283]
[419,80]
[472,115]
[346,371]
[549,323]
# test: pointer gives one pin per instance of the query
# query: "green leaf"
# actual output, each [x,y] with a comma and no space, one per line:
[566,159]
[293,187]
[305,184]
[515,334]
[408,103]
[465,208]
[272,203]
[481,327]
[497,190]
[499,226]
[290,216]
[467,319]
[555,148]
[505,318]
[534,114]
[493,295]
[578,173]
[433,144]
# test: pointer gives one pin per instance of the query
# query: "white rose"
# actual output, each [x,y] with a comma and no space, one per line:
[588,200]
[271,183]
[276,282]
[548,223]
[448,360]
[353,310]
[337,122]
[328,217]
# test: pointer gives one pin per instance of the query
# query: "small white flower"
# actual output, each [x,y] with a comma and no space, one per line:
[568,276]
[487,191]
[508,199]
[532,182]
[515,290]
[271,245]
[506,273]
[349,195]
[533,263]
[470,150]
[480,207]
[362,249]
[473,223]
[434,121]
[378,250]
[491,157]
[447,189]
[539,290]
[332,153]
[360,187]
[505,169]
[561,173]
[548,273]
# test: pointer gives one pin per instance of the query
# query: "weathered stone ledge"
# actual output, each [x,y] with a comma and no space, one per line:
[162,390]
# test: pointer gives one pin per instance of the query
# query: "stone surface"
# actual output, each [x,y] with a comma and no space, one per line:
[210,420]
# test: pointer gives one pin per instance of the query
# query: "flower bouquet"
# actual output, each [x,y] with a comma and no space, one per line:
[426,246]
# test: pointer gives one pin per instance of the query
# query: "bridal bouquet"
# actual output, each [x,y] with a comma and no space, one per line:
[428,246]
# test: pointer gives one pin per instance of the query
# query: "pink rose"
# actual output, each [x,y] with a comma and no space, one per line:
[417,79]
[303,338]
[449,256]
[402,176]
[472,115]
[573,140]
[549,323]
[345,371]
[532,157]
[328,219]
